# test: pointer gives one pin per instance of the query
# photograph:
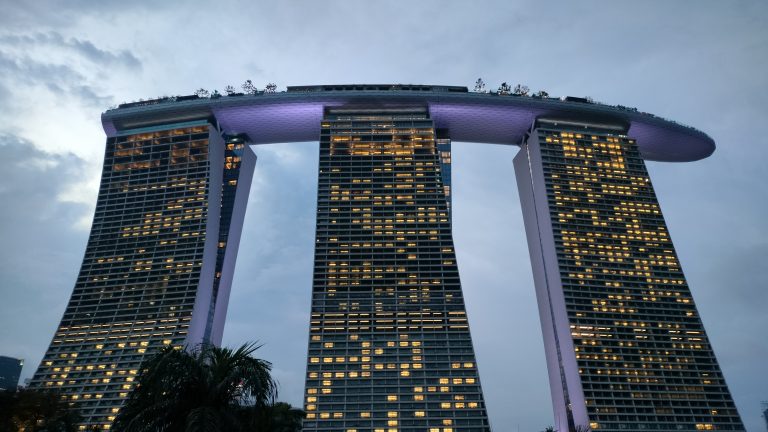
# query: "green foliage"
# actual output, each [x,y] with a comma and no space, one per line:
[278,417]
[36,411]
[208,389]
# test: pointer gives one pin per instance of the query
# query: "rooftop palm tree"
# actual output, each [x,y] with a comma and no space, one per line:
[206,389]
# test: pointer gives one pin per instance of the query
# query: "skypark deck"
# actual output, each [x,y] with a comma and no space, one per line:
[295,115]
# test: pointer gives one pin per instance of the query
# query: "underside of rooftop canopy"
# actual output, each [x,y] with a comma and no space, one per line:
[295,116]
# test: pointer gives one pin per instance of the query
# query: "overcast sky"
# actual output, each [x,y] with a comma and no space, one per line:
[703,63]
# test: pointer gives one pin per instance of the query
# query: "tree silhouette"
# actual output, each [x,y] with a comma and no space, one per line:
[36,411]
[479,86]
[206,389]
[249,88]
[521,90]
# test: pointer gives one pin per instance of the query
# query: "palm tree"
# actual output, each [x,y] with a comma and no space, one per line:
[205,389]
[278,417]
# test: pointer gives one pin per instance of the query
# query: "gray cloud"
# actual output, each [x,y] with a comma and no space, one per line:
[83,48]
[30,71]
[62,80]
[38,263]
[19,15]
[21,65]
[272,286]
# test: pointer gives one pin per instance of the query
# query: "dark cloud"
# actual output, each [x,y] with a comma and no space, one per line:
[61,79]
[29,71]
[106,58]
[84,48]
[23,62]
[41,248]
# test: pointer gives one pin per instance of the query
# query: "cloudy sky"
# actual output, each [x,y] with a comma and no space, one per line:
[702,63]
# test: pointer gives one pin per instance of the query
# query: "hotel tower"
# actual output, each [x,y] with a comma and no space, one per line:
[389,342]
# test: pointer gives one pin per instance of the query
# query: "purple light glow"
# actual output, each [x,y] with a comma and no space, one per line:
[469,117]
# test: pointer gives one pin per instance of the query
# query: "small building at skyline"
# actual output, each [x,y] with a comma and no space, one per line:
[10,371]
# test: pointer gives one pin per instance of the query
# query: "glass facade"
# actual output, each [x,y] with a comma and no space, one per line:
[10,370]
[152,270]
[389,347]
[625,345]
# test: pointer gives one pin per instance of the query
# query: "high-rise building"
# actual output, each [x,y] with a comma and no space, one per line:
[159,260]
[390,347]
[10,371]
[625,347]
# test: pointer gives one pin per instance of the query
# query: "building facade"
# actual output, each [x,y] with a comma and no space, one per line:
[10,371]
[389,341]
[389,345]
[625,347]
[158,264]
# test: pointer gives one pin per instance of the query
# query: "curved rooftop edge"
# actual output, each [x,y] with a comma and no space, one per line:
[296,115]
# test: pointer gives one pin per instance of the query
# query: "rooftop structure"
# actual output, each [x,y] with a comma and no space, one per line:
[295,116]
